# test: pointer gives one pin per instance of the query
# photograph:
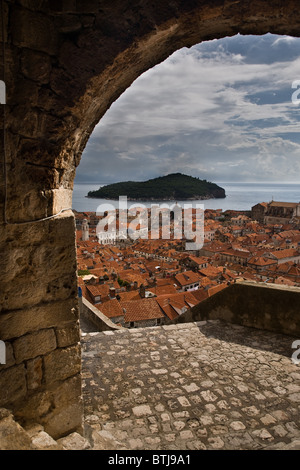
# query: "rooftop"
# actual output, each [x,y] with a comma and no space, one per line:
[201,385]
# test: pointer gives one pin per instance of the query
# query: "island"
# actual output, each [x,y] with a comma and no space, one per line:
[173,187]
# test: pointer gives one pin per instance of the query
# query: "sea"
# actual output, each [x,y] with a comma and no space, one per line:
[239,196]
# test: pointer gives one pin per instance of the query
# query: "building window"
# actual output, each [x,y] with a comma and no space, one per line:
[132,324]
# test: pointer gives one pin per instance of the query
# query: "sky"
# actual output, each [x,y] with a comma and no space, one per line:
[221,110]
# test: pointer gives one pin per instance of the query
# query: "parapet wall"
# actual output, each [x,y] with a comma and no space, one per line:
[94,316]
[265,306]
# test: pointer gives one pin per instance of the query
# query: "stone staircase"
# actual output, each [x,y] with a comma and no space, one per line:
[14,437]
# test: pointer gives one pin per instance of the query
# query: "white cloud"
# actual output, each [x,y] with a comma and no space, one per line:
[205,105]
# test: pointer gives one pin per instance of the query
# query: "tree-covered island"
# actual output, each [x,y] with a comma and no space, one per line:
[175,186]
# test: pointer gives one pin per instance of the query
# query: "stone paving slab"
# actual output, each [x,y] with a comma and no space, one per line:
[193,386]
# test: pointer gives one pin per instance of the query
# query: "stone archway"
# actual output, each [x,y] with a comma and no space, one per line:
[65,63]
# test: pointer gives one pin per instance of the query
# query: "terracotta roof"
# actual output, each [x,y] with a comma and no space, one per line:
[173,304]
[111,308]
[198,259]
[284,280]
[211,271]
[161,290]
[129,295]
[141,310]
[260,261]
[99,289]
[283,204]
[288,253]
[187,277]
[199,295]
[238,253]
[213,290]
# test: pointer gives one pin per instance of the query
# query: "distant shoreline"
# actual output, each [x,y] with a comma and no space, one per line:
[205,198]
[239,196]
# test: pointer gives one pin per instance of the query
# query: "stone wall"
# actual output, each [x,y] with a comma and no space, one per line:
[39,324]
[266,306]
[64,63]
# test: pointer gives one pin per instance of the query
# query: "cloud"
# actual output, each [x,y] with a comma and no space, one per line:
[221,101]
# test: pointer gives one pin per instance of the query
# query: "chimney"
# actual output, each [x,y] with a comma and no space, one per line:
[142,291]
[112,292]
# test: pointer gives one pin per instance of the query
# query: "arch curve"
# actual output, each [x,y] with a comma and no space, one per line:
[69,61]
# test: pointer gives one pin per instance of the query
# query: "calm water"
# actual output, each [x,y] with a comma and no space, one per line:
[239,196]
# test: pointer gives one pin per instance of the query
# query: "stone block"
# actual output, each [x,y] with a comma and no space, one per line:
[67,392]
[34,373]
[67,336]
[20,322]
[42,441]
[66,419]
[87,6]
[33,30]
[74,441]
[12,384]
[34,344]
[36,65]
[62,364]
[12,435]
[37,405]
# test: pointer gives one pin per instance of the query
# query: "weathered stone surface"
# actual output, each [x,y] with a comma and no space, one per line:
[35,406]
[74,441]
[19,322]
[69,417]
[277,307]
[62,364]
[34,373]
[12,435]
[12,384]
[215,395]
[34,344]
[43,441]
[67,336]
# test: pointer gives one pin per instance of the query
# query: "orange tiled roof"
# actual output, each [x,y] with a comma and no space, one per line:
[139,310]
[129,295]
[261,261]
[211,271]
[187,277]
[213,290]
[111,308]
[288,253]
[162,290]
[99,289]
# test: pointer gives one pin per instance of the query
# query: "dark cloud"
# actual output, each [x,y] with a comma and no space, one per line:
[221,110]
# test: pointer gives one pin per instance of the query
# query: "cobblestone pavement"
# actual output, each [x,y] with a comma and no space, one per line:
[204,385]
